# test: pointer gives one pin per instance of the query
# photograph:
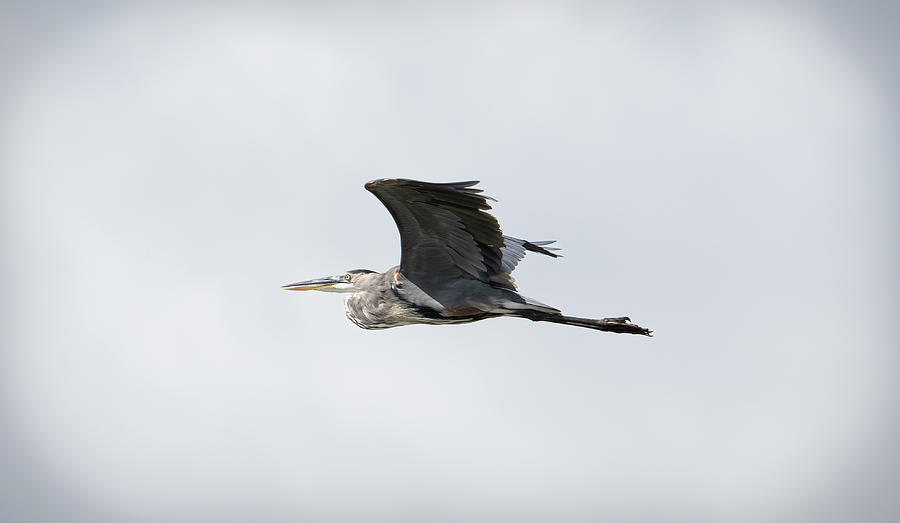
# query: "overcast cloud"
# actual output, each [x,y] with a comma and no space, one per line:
[726,176]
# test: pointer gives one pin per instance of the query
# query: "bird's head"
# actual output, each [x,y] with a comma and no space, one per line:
[347,282]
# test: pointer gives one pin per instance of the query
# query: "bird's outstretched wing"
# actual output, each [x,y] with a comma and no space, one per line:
[446,232]
[514,250]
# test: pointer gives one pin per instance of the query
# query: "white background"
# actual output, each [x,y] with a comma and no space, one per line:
[726,176]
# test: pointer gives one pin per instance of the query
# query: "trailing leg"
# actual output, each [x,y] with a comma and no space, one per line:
[620,325]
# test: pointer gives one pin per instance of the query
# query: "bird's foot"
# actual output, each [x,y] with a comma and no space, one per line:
[623,325]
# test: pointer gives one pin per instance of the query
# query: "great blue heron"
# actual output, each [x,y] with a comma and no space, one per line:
[455,265]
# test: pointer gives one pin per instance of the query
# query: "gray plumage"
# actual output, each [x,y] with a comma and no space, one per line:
[455,265]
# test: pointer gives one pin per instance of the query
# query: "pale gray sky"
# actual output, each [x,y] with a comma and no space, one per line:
[726,176]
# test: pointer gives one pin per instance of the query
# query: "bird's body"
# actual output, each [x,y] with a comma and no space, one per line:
[380,304]
[455,265]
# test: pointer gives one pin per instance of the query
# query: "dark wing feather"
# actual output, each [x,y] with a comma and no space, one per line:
[446,232]
[514,250]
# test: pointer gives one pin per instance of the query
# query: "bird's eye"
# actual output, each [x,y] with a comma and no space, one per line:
[347,277]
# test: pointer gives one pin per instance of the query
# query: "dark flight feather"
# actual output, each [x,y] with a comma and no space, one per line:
[446,233]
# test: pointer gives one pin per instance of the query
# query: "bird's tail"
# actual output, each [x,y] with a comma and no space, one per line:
[621,325]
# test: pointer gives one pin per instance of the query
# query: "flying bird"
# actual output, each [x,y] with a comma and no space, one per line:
[455,265]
